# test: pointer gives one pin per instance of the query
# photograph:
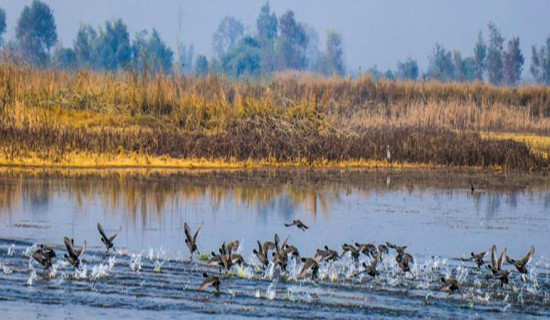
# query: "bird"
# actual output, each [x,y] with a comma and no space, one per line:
[108,241]
[291,251]
[371,268]
[521,264]
[449,285]
[44,255]
[326,254]
[263,251]
[210,281]
[353,251]
[472,189]
[74,256]
[403,258]
[297,223]
[309,264]
[495,267]
[233,245]
[368,249]
[388,154]
[191,241]
[476,257]
[280,257]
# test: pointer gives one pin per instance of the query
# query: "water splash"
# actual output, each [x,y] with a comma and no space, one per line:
[100,271]
[270,292]
[7,270]
[32,278]
[135,262]
[158,266]
[11,250]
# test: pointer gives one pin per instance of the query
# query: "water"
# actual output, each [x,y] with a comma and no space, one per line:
[151,275]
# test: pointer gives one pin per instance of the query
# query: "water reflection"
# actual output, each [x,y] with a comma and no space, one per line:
[146,197]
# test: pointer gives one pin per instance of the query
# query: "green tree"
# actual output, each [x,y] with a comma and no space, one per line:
[201,65]
[2,24]
[113,46]
[85,47]
[243,59]
[291,45]
[151,52]
[540,63]
[266,24]
[64,58]
[186,58]
[441,66]
[407,70]
[226,36]
[495,60]
[480,53]
[513,63]
[36,33]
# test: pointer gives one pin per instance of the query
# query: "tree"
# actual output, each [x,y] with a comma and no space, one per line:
[151,52]
[2,23]
[85,47]
[228,33]
[201,65]
[186,58]
[441,66]
[480,53]
[292,43]
[243,59]
[36,33]
[266,23]
[407,70]
[113,46]
[540,63]
[335,53]
[513,63]
[495,61]
[64,58]
[267,33]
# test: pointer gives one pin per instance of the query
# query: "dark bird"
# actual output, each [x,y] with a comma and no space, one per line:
[398,249]
[280,257]
[522,263]
[353,251]
[108,241]
[326,255]
[309,264]
[495,267]
[383,249]
[191,241]
[371,268]
[263,252]
[210,281]
[297,223]
[73,256]
[449,285]
[291,251]
[44,255]
[367,249]
[472,189]
[477,258]
[403,258]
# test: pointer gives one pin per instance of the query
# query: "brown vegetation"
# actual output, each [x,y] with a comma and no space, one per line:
[288,118]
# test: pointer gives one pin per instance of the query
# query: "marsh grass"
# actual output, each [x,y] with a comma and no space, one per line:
[50,117]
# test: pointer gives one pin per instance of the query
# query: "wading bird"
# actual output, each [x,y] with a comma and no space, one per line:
[108,241]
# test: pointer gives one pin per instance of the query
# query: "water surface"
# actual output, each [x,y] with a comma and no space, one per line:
[433,212]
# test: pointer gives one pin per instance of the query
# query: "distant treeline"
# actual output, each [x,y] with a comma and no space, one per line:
[278,44]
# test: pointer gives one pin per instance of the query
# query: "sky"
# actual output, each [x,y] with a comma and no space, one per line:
[377,32]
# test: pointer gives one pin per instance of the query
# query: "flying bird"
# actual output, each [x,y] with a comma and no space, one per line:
[310,264]
[297,223]
[74,256]
[210,281]
[476,257]
[108,241]
[521,264]
[191,241]
[44,255]
[449,285]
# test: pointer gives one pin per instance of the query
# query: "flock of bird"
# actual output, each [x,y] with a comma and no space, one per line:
[281,252]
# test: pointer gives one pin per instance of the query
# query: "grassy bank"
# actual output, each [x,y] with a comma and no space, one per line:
[85,119]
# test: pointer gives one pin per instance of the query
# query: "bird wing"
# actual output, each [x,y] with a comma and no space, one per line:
[501,258]
[116,234]
[289,224]
[494,259]
[309,263]
[207,282]
[38,256]
[82,249]
[69,245]
[101,231]
[529,256]
[187,231]
[196,234]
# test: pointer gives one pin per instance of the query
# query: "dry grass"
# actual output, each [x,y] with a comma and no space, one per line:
[87,119]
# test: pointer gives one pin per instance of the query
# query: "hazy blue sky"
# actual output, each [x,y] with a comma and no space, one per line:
[375,32]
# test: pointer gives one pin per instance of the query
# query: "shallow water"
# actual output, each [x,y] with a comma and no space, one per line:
[151,275]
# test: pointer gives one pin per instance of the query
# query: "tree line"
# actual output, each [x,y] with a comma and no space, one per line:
[278,44]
